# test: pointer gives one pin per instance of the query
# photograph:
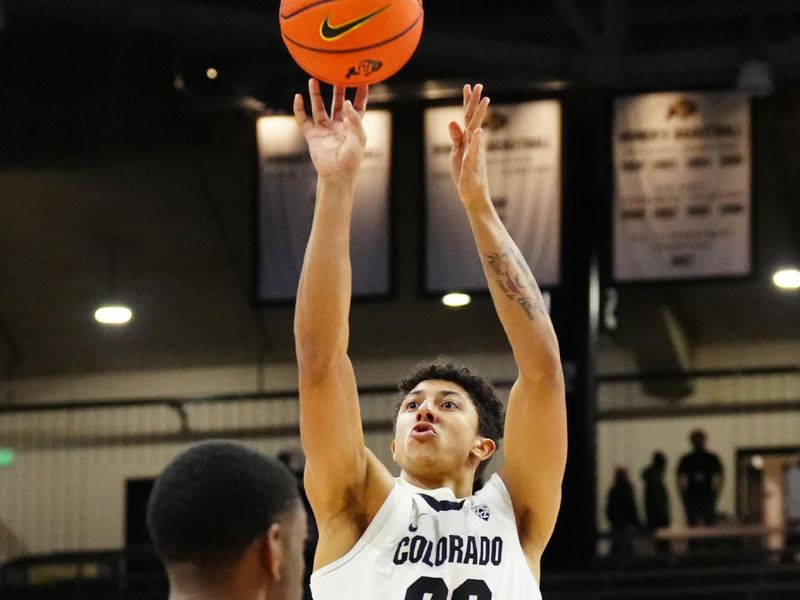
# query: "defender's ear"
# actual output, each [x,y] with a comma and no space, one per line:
[273,551]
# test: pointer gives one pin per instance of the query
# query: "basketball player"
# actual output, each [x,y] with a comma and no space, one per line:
[424,535]
[228,523]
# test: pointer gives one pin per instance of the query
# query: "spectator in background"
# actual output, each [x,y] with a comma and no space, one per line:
[228,523]
[656,501]
[295,461]
[622,513]
[700,479]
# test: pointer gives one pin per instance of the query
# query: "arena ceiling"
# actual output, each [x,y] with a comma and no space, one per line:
[118,151]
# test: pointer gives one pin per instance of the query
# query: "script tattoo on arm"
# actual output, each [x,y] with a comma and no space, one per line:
[516,281]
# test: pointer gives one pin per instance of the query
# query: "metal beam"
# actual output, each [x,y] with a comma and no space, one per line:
[715,58]
[690,10]
[577,22]
[716,408]
[717,65]
[189,18]
[442,47]
[615,25]
[664,346]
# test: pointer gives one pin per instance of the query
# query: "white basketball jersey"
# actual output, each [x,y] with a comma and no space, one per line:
[429,545]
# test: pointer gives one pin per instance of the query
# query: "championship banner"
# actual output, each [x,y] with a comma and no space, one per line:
[287,185]
[523,154]
[682,170]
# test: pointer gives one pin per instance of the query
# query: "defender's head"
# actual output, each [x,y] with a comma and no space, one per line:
[447,419]
[221,512]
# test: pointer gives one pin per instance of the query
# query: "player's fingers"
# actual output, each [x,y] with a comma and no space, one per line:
[456,135]
[354,119]
[468,108]
[300,115]
[472,103]
[362,96]
[317,104]
[479,115]
[475,98]
[473,149]
[337,103]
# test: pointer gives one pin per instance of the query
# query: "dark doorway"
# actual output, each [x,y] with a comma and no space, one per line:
[760,488]
[137,493]
[143,568]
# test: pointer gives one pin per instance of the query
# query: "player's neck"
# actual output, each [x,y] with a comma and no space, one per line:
[189,582]
[215,594]
[461,484]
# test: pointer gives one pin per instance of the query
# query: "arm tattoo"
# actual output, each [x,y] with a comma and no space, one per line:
[516,281]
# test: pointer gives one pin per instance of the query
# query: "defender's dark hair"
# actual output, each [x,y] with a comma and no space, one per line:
[489,407]
[213,500]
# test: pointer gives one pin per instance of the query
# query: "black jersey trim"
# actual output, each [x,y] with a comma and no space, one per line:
[441,505]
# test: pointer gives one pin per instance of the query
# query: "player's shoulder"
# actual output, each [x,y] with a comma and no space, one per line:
[359,501]
[494,484]
[355,514]
[496,492]
[378,484]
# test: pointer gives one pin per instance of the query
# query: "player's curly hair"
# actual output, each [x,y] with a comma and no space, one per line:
[490,409]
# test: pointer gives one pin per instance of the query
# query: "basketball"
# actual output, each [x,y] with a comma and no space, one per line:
[351,42]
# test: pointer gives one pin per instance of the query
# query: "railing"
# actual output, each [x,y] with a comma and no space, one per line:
[136,575]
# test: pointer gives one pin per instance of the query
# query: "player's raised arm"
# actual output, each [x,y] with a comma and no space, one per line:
[535,446]
[330,419]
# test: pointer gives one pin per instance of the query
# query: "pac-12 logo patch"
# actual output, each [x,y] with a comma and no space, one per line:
[482,510]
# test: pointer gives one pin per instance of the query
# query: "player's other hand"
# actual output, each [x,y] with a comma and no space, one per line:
[468,158]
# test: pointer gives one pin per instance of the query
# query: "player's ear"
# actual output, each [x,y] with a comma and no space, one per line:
[273,553]
[393,447]
[484,448]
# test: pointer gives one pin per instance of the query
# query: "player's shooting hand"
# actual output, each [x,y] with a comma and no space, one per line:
[468,157]
[336,142]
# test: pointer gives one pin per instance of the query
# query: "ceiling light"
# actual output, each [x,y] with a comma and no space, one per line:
[456,299]
[212,73]
[113,315]
[787,279]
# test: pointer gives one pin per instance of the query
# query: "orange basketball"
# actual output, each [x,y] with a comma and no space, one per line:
[351,42]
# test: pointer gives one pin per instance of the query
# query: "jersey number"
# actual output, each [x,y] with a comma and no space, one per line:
[471,589]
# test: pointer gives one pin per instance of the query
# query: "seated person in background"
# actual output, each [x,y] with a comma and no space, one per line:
[228,523]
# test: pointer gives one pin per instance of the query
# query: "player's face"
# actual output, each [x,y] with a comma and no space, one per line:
[437,428]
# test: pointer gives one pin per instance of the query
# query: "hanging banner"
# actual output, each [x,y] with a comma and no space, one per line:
[682,169]
[287,185]
[523,155]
